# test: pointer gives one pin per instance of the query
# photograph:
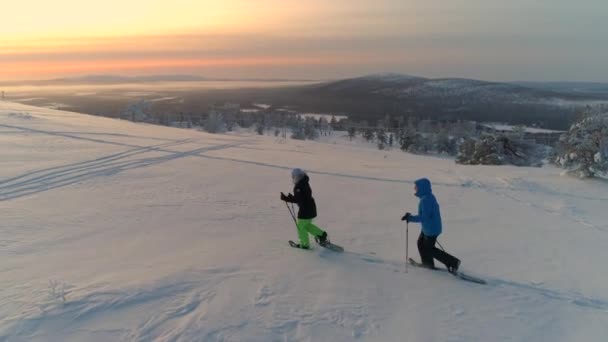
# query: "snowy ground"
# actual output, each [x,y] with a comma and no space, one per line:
[115,231]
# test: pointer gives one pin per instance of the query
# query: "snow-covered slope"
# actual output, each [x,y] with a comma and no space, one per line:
[115,231]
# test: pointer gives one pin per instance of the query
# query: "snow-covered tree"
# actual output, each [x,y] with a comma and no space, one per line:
[484,151]
[352,131]
[443,143]
[310,129]
[421,144]
[259,128]
[333,122]
[381,139]
[584,149]
[230,121]
[305,129]
[137,111]
[498,150]
[407,138]
[215,123]
[368,134]
[324,126]
[298,132]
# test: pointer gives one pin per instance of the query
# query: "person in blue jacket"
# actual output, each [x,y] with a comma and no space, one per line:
[430,219]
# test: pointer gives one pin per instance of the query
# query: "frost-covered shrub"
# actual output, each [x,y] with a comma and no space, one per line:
[498,150]
[583,151]
[137,111]
[215,123]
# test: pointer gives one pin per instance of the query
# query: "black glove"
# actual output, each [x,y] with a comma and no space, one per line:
[283,197]
[406,217]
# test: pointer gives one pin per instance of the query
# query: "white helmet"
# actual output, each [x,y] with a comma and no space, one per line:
[297,174]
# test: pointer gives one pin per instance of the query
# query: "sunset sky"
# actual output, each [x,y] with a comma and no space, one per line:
[313,39]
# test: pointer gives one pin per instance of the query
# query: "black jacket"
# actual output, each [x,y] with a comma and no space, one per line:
[302,196]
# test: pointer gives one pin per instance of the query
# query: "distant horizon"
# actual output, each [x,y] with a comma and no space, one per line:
[206,78]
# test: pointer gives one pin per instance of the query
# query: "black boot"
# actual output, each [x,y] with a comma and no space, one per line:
[322,239]
[429,266]
[454,269]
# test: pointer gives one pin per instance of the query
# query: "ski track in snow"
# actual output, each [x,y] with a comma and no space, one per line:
[199,152]
[42,180]
[573,298]
[225,287]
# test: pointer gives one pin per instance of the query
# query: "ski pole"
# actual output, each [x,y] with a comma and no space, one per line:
[407,235]
[440,246]
[292,215]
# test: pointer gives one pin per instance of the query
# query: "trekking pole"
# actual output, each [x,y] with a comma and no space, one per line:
[292,214]
[407,235]
[440,246]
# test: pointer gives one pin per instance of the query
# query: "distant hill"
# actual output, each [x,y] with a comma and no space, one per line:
[590,88]
[552,105]
[373,97]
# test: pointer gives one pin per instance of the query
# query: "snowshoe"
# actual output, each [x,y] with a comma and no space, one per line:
[322,240]
[297,245]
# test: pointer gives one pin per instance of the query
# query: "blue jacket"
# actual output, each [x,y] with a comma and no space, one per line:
[428,209]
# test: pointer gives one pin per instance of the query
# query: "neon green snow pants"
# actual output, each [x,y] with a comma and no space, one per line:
[305,227]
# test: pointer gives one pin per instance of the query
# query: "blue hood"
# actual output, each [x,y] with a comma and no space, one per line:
[424,187]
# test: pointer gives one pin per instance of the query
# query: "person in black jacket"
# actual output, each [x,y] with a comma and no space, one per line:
[302,196]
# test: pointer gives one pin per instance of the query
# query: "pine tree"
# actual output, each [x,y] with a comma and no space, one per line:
[368,134]
[215,123]
[137,111]
[407,139]
[381,139]
[444,143]
[584,149]
[259,128]
[333,122]
[311,129]
[352,131]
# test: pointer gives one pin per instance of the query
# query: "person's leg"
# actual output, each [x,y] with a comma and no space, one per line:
[445,258]
[303,232]
[425,250]
[314,230]
[429,245]
[420,245]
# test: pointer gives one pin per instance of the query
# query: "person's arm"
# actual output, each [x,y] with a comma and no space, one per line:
[414,218]
[288,198]
[425,212]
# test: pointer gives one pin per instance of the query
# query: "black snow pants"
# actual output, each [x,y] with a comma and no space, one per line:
[428,252]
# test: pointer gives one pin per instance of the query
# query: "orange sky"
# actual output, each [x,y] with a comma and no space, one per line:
[487,39]
[62,68]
